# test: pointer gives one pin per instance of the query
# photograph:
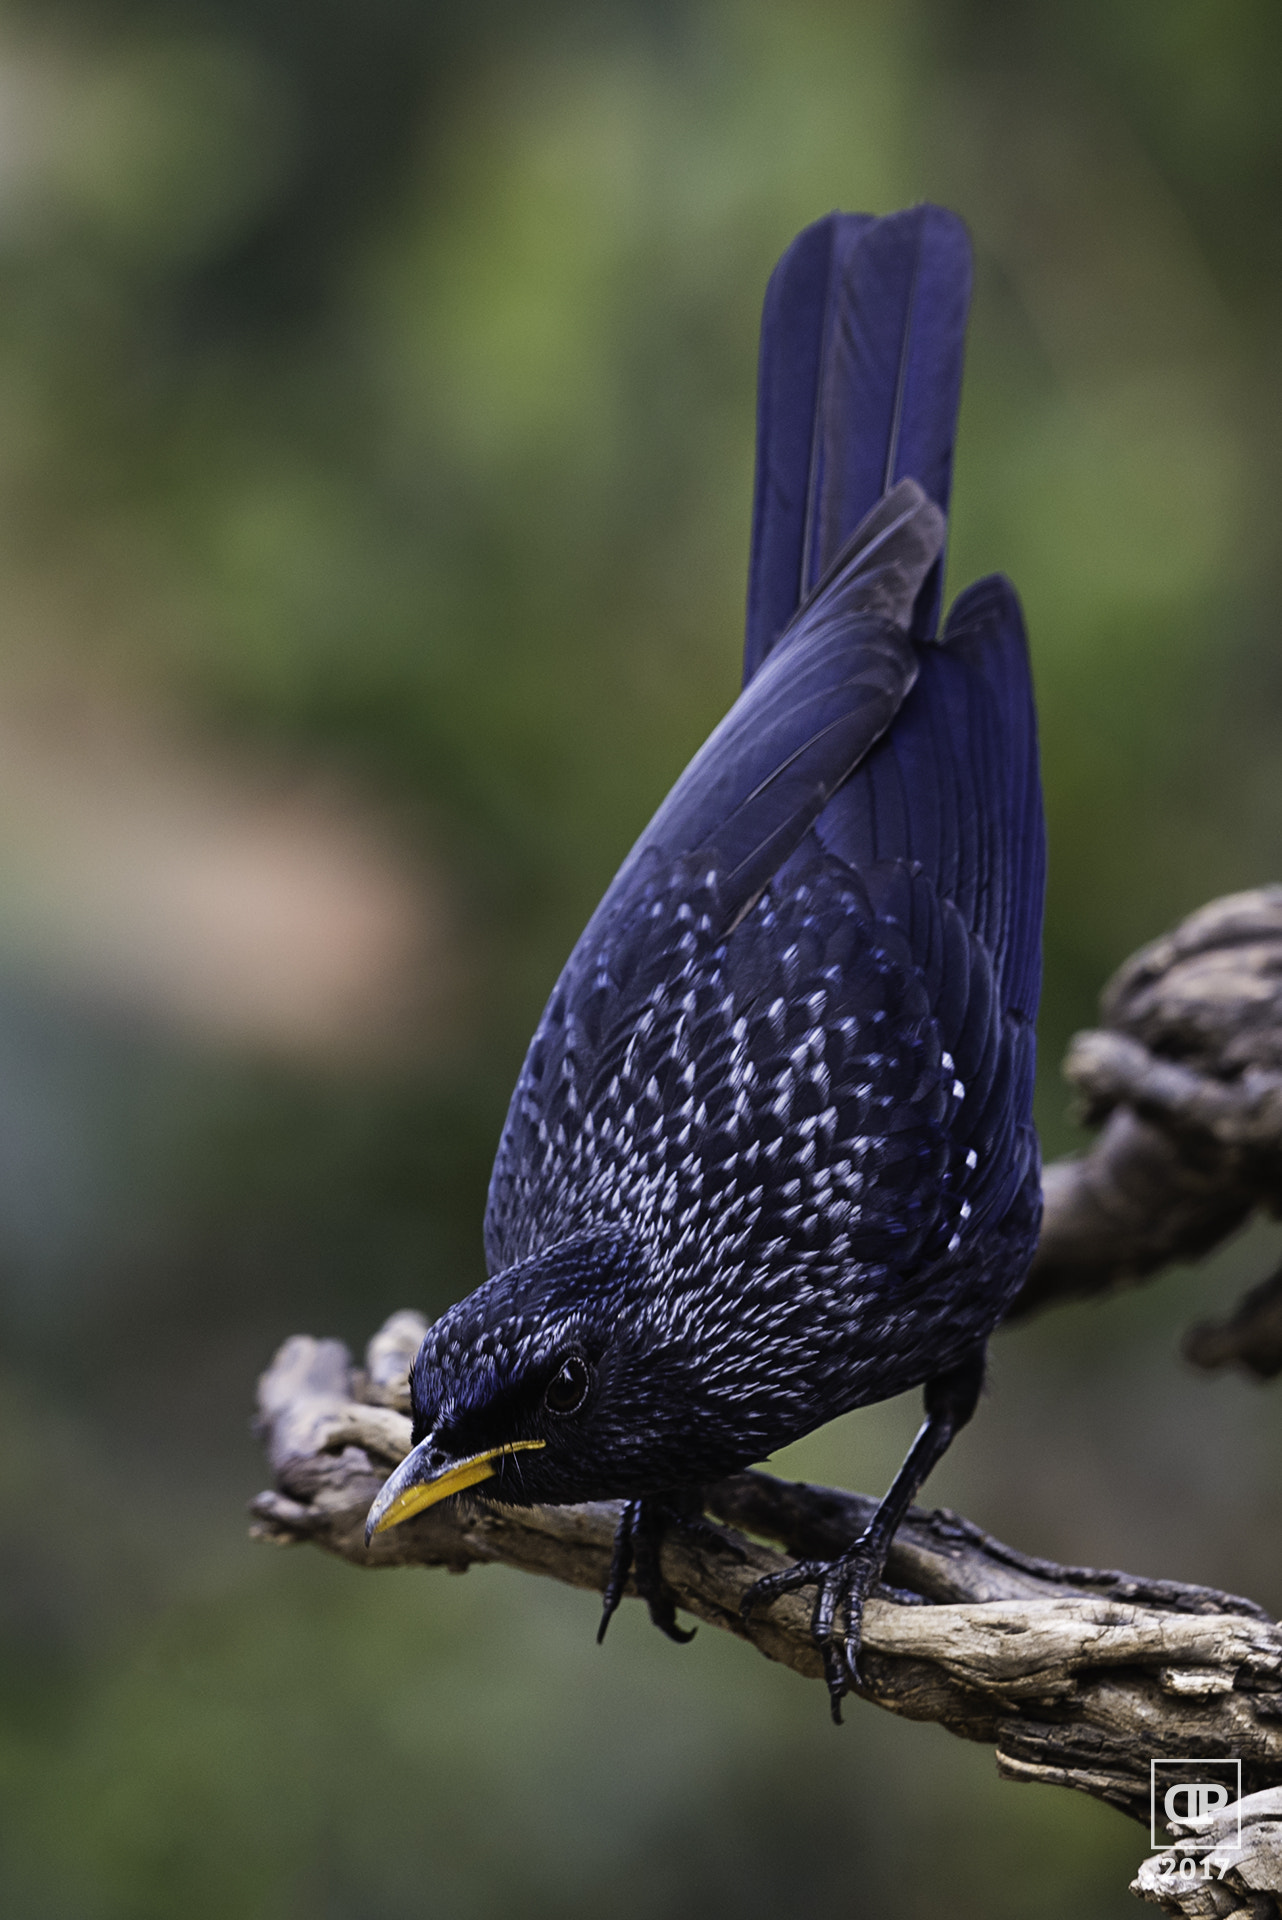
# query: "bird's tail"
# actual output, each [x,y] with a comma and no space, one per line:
[860,376]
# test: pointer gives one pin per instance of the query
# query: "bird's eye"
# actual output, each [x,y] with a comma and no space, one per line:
[568,1387]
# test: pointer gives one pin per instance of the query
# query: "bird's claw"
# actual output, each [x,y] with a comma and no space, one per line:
[842,1590]
[771,1586]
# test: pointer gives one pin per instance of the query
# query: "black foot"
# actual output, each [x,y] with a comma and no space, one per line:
[637,1541]
[843,1587]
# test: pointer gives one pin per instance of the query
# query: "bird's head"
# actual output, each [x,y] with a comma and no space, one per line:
[557,1381]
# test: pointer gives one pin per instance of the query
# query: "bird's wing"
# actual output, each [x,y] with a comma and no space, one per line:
[833,1069]
[827,694]
[829,691]
[861,358]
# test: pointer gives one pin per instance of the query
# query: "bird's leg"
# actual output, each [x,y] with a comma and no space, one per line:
[620,1565]
[843,1586]
[647,1536]
[637,1541]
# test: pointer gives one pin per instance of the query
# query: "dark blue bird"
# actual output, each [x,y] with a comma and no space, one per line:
[770,1156]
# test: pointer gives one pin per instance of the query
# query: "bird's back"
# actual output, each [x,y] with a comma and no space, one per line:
[792,1052]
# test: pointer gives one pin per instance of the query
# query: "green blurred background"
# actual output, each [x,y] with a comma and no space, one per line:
[376,408]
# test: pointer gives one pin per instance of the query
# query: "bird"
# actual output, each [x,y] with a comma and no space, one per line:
[770,1156]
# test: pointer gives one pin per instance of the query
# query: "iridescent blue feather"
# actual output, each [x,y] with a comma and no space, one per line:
[790,1057]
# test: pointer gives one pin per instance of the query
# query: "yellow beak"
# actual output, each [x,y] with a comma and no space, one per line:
[420,1482]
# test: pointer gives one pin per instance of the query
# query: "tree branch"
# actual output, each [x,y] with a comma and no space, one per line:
[1076,1677]
[1185,1077]
[1235,1873]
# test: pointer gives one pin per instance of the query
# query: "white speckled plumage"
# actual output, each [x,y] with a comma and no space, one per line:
[780,1130]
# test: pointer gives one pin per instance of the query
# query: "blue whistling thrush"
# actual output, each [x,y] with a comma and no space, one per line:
[770,1156]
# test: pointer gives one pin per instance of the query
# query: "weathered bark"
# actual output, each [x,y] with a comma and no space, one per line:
[1076,1677]
[1250,1338]
[1236,1873]
[1185,1077]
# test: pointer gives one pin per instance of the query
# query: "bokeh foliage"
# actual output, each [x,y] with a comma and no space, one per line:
[376,394]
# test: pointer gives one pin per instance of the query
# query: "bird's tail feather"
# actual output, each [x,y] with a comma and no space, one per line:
[861,351]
